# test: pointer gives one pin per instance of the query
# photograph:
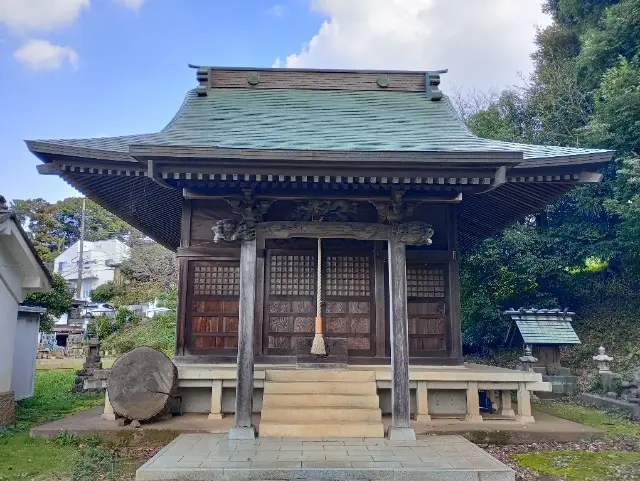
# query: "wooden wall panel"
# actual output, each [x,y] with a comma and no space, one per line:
[288,79]
[426,303]
[213,306]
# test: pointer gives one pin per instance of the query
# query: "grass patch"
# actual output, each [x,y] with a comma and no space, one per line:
[611,422]
[158,332]
[24,458]
[583,465]
[53,399]
[65,457]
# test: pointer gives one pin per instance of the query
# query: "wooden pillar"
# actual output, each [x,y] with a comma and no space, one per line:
[400,428]
[422,403]
[505,404]
[381,308]
[243,428]
[216,399]
[453,294]
[181,318]
[524,405]
[473,403]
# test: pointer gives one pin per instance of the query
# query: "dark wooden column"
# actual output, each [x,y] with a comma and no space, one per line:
[243,428]
[453,293]
[400,428]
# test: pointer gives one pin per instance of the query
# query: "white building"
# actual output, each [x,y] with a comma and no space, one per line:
[21,272]
[100,262]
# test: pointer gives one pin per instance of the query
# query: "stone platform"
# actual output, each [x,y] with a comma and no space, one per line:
[546,428]
[208,457]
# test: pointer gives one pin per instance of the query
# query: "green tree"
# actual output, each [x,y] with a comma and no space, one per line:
[584,92]
[105,292]
[57,301]
[54,227]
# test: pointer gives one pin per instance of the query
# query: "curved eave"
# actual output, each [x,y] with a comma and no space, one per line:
[153,210]
[483,215]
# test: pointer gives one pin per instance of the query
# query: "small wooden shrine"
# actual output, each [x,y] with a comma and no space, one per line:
[544,330]
[258,164]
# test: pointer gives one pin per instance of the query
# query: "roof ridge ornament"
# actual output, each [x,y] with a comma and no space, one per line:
[202,76]
[432,82]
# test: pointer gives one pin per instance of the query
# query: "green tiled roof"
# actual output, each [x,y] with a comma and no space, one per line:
[543,326]
[319,120]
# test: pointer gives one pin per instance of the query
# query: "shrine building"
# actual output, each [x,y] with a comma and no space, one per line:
[324,211]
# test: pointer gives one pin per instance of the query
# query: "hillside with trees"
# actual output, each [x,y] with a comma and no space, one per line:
[583,251]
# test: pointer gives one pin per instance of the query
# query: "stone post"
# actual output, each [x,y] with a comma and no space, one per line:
[524,405]
[400,428]
[473,403]
[422,403]
[505,404]
[108,413]
[216,399]
[243,428]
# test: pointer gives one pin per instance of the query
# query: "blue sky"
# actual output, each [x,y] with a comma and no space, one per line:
[88,68]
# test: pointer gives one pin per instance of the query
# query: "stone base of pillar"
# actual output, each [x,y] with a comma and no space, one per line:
[242,434]
[215,416]
[508,413]
[423,418]
[525,419]
[473,418]
[401,434]
[7,408]
[109,416]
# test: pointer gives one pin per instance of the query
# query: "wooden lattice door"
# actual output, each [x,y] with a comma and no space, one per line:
[426,303]
[290,309]
[348,307]
[213,306]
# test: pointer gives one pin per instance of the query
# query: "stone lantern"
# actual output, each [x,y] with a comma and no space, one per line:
[528,360]
[603,361]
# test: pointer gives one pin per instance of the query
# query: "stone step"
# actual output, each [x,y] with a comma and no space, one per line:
[315,430]
[319,375]
[329,387]
[289,415]
[320,400]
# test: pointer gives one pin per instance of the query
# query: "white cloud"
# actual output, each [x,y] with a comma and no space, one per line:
[40,14]
[276,10]
[40,55]
[132,4]
[484,44]
[48,14]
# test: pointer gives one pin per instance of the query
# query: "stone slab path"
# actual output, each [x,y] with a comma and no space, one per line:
[208,457]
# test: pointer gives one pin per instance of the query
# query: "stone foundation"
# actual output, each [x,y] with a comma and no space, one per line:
[7,408]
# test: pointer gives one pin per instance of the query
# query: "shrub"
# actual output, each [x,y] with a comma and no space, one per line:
[101,327]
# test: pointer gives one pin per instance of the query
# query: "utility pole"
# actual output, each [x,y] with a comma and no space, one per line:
[81,252]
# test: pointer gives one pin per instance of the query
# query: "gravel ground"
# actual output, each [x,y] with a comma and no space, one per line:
[503,453]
